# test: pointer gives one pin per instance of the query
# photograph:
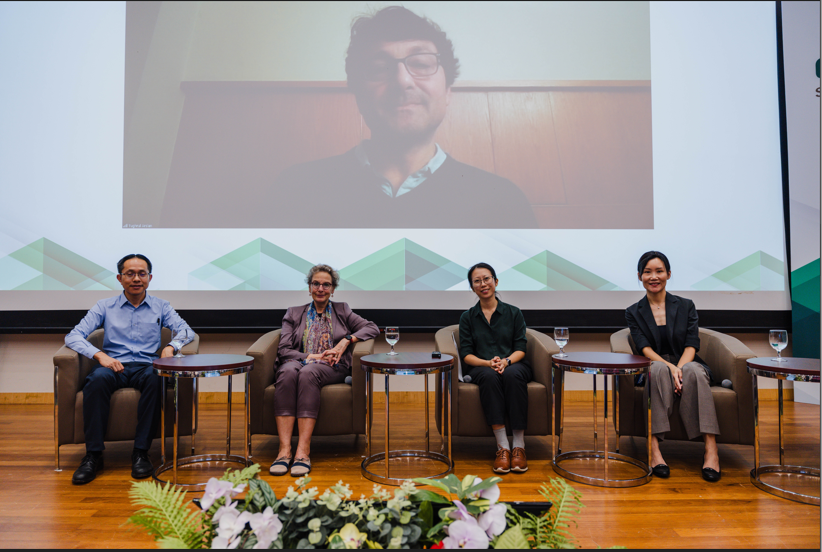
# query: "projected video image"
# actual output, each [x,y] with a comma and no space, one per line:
[432,115]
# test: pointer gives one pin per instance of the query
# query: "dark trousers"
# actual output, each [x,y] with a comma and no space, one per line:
[297,387]
[504,394]
[97,389]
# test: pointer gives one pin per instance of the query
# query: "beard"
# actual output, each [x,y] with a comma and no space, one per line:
[405,118]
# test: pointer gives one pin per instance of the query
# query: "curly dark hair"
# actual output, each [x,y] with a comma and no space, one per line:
[335,276]
[393,24]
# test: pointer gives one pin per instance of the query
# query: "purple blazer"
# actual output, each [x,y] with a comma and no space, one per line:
[345,322]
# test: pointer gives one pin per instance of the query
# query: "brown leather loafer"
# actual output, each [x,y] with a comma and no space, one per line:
[502,463]
[518,461]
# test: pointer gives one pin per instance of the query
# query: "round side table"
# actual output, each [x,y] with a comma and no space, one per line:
[792,369]
[407,364]
[606,364]
[200,366]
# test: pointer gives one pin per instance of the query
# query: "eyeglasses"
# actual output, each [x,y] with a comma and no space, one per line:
[318,285]
[131,274]
[485,280]
[417,65]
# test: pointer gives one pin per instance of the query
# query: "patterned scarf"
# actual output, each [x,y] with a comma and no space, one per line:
[318,333]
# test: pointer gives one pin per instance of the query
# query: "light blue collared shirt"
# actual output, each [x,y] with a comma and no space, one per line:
[413,180]
[131,334]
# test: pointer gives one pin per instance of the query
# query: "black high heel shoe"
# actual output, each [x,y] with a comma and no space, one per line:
[709,474]
[661,470]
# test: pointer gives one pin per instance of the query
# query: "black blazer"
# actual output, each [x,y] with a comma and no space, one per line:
[682,324]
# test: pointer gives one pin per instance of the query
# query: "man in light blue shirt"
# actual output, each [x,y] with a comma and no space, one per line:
[132,322]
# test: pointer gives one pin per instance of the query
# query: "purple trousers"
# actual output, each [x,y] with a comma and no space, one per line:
[297,387]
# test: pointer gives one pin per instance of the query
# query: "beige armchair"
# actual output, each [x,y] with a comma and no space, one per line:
[70,371]
[726,357]
[342,406]
[467,416]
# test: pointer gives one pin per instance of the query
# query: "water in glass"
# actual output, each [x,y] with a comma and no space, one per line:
[392,335]
[778,340]
[561,337]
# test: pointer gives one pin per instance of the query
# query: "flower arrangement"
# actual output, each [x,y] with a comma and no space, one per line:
[470,516]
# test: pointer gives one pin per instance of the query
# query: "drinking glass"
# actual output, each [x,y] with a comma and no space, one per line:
[778,340]
[561,337]
[177,338]
[392,335]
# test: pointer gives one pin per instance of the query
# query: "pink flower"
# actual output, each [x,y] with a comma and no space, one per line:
[266,526]
[461,513]
[493,520]
[215,490]
[491,493]
[231,524]
[465,534]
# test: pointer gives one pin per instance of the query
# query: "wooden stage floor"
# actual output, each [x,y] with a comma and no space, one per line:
[40,508]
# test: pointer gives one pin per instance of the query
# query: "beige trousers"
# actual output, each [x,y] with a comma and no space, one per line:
[696,404]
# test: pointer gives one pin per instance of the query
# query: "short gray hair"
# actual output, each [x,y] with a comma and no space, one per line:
[335,276]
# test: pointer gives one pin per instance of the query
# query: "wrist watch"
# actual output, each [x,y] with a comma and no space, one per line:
[509,361]
[349,338]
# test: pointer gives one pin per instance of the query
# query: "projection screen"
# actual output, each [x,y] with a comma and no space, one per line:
[210,136]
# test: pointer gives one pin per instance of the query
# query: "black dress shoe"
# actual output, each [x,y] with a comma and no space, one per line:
[661,470]
[90,466]
[140,464]
[711,475]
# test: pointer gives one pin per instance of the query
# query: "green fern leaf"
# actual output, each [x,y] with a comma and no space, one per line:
[237,477]
[567,503]
[165,515]
[172,543]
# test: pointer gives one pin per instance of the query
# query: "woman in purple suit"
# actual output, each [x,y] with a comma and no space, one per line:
[315,350]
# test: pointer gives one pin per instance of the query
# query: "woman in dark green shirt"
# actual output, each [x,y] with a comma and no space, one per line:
[492,349]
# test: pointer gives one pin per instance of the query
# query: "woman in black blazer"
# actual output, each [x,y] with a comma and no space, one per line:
[665,329]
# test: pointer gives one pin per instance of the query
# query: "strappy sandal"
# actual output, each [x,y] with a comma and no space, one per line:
[300,467]
[280,466]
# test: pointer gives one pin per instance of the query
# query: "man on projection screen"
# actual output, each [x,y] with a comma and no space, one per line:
[400,68]
[132,322]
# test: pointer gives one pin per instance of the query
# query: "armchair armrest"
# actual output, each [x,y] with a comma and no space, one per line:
[192,347]
[444,343]
[67,383]
[727,356]
[620,342]
[538,354]
[264,353]
[539,351]
[361,349]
